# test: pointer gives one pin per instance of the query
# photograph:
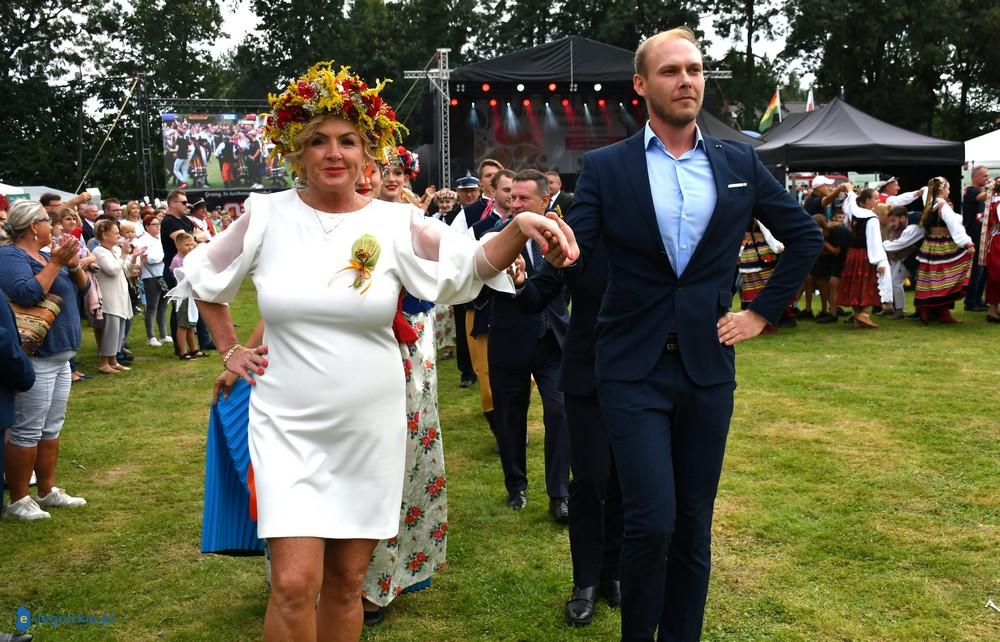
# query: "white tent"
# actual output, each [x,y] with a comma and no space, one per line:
[12,191]
[984,149]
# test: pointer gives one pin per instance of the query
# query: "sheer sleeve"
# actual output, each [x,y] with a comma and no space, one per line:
[441,265]
[214,271]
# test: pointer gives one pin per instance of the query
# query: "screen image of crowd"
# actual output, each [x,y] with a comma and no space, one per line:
[205,151]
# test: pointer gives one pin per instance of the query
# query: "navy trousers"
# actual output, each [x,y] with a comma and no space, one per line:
[669,437]
[511,389]
[595,498]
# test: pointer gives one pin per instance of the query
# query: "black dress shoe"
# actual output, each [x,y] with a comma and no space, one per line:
[992,319]
[580,607]
[611,592]
[374,617]
[517,501]
[467,380]
[15,637]
[559,510]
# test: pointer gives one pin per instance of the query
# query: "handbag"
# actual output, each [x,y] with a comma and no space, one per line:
[33,322]
[162,282]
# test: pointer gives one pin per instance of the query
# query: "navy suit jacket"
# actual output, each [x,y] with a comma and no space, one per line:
[586,289]
[514,333]
[645,299]
[16,372]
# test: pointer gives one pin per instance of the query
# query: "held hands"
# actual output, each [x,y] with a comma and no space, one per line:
[517,271]
[244,362]
[739,326]
[553,235]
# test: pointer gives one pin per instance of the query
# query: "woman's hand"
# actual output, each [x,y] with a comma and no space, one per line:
[244,362]
[68,251]
[881,270]
[552,234]
[224,384]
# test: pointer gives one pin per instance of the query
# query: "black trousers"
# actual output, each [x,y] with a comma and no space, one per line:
[511,389]
[462,358]
[595,498]
[669,437]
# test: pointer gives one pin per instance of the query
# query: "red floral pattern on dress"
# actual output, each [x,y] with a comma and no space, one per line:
[420,549]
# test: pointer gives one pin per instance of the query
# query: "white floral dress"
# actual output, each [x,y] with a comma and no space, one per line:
[408,560]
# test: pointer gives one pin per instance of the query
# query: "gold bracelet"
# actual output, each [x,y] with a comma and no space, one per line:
[229,354]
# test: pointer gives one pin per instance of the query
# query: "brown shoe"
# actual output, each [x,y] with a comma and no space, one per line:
[862,320]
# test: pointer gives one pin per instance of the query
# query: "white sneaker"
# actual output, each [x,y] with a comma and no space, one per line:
[167,340]
[59,497]
[153,342]
[27,509]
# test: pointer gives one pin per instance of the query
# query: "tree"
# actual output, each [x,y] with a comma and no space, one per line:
[752,20]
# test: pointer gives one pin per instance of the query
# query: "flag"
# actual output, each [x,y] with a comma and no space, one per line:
[772,107]
[810,105]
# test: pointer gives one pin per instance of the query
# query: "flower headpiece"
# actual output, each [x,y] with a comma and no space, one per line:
[409,160]
[321,90]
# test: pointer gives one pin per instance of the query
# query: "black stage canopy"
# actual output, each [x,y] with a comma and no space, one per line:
[572,58]
[838,135]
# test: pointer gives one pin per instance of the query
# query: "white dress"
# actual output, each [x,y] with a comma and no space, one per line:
[327,420]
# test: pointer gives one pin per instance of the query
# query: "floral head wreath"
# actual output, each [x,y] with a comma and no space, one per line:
[321,90]
[410,161]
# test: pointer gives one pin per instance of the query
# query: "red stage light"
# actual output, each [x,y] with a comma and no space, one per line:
[565,102]
[486,87]
[454,102]
[552,86]
[526,102]
[493,102]
[635,102]
[601,102]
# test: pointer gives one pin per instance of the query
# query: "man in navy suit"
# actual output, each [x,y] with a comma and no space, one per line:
[525,345]
[595,503]
[670,205]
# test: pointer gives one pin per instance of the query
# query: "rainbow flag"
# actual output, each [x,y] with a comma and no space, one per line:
[772,107]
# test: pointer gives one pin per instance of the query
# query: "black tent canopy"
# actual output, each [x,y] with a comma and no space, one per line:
[839,135]
[787,123]
[709,124]
[573,58]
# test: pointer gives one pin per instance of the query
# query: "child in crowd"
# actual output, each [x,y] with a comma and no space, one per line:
[187,311]
[866,259]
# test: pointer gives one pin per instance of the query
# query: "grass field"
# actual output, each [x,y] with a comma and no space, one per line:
[860,501]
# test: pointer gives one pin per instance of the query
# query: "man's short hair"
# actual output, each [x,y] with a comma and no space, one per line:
[503,172]
[488,162]
[174,195]
[541,183]
[677,33]
[109,201]
[48,198]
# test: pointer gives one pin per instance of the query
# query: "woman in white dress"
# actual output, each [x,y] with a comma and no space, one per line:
[327,421]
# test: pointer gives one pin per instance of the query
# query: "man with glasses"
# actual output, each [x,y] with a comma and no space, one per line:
[112,208]
[175,222]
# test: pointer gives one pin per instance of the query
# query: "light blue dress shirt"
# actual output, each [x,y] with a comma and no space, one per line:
[684,196]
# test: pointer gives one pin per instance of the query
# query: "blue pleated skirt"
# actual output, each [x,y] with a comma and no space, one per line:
[226,525]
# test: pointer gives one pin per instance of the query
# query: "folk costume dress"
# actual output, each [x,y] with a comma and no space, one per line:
[405,563]
[860,284]
[943,263]
[758,256]
[989,251]
[327,423]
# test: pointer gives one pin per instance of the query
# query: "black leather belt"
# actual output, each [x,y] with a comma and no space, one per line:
[671,344]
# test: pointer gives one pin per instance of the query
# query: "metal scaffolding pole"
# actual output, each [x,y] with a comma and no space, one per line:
[439,81]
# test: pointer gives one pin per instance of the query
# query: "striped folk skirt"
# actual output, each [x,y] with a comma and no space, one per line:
[943,270]
[756,267]
[859,281]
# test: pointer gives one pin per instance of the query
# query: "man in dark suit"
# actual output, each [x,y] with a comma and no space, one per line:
[525,345]
[670,206]
[595,503]
[559,201]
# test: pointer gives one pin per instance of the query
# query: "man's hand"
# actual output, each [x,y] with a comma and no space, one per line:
[740,326]
[517,272]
